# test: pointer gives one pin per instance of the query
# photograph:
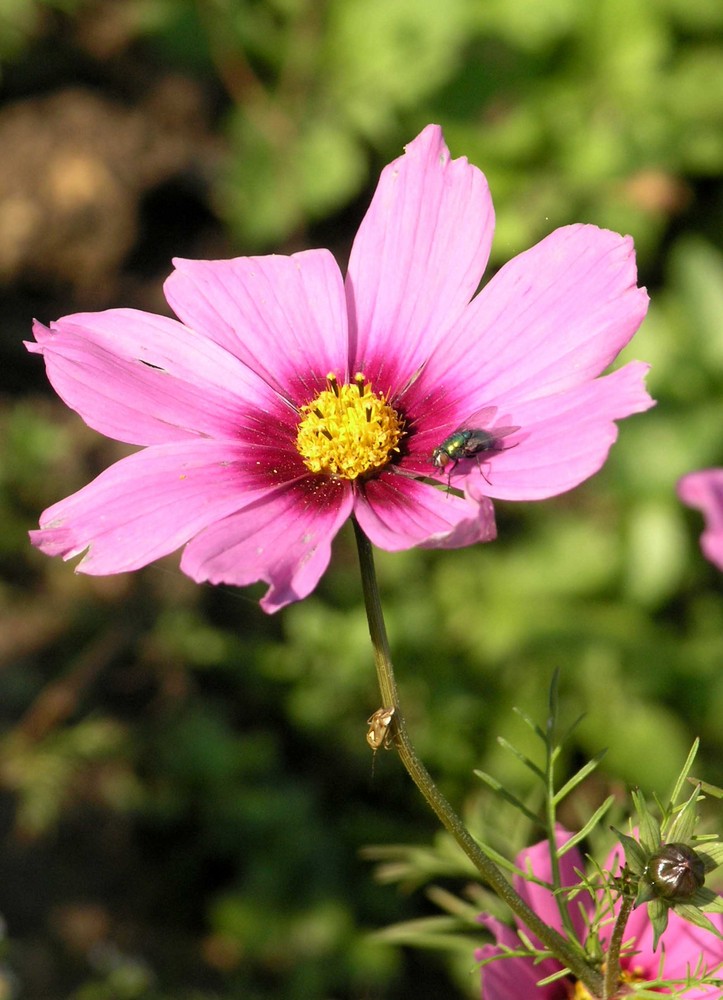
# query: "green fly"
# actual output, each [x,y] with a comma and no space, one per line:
[471,441]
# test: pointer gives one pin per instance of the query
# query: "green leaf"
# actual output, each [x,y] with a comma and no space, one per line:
[571,729]
[553,703]
[677,788]
[498,858]
[706,899]
[694,916]
[537,730]
[658,914]
[504,952]
[645,893]
[450,903]
[648,825]
[557,975]
[682,827]
[635,857]
[430,933]
[587,827]
[575,780]
[710,854]
[521,757]
[496,786]
[705,786]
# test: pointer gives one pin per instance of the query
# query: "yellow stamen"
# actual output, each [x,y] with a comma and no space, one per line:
[580,992]
[348,430]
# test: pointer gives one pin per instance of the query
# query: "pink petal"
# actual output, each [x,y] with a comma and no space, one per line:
[552,318]
[147,505]
[562,440]
[509,978]
[284,539]
[685,944]
[682,947]
[285,317]
[517,978]
[536,859]
[146,379]
[417,258]
[513,978]
[704,491]
[397,513]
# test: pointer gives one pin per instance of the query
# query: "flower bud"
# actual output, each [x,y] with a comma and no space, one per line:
[675,873]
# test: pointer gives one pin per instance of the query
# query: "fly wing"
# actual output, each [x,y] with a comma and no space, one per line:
[484,420]
[478,440]
[480,418]
[498,433]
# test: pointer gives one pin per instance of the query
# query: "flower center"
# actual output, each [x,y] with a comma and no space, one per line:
[348,430]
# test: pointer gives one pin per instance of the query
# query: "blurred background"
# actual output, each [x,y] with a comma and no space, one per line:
[185,788]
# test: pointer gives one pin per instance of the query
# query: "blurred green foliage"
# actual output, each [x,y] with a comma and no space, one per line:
[186,781]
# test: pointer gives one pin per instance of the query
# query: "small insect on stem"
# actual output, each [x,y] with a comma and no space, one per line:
[471,442]
[379,735]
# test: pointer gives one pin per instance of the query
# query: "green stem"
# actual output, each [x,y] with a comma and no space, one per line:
[612,966]
[560,898]
[491,874]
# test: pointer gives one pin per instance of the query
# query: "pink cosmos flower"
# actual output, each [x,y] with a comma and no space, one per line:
[704,490]
[682,948]
[285,399]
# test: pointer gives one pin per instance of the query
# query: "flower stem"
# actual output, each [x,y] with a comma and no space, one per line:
[550,812]
[558,945]
[612,966]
